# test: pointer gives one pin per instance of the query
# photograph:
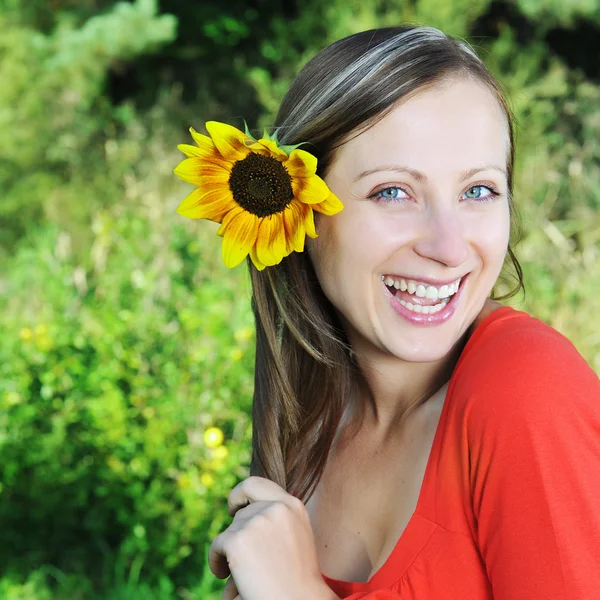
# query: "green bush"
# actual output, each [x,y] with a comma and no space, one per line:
[113,365]
[127,345]
[55,118]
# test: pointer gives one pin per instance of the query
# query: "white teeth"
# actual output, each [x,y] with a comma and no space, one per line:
[431,293]
[427,310]
[421,290]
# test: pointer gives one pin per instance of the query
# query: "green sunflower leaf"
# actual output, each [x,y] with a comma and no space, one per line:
[289,149]
[247,131]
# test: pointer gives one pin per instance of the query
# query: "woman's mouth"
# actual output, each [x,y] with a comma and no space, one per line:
[421,302]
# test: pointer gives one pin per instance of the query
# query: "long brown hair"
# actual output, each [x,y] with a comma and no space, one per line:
[305,372]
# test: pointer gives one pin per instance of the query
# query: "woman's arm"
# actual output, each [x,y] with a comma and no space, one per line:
[534,446]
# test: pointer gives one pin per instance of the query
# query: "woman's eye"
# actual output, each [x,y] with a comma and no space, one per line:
[390,194]
[477,192]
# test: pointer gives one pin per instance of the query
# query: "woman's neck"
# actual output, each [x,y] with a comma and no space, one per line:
[391,390]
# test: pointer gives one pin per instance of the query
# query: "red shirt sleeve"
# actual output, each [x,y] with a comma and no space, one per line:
[533,430]
[376,595]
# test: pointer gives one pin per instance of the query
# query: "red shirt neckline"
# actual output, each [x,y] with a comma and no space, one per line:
[419,528]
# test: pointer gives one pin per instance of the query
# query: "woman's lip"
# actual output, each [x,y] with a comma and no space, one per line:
[427,320]
[428,280]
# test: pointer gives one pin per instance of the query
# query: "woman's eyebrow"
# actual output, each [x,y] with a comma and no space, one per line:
[423,178]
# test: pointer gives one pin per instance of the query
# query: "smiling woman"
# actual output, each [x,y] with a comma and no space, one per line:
[412,438]
[430,233]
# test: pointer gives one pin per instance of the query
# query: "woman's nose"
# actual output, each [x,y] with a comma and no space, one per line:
[443,240]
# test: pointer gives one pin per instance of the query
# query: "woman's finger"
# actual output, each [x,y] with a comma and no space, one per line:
[255,489]
[217,558]
[230,591]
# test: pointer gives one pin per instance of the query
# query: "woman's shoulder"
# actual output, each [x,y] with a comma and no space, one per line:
[514,363]
[505,337]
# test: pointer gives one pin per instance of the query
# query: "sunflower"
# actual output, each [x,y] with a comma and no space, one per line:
[262,193]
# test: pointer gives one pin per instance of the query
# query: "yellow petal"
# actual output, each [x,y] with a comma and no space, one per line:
[301,164]
[212,156]
[310,190]
[228,218]
[212,205]
[271,244]
[255,260]
[330,206]
[202,173]
[190,151]
[205,149]
[239,238]
[203,141]
[230,142]
[309,221]
[293,221]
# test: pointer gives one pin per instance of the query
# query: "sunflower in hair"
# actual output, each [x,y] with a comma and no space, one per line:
[262,193]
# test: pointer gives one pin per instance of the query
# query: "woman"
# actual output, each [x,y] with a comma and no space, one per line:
[413,438]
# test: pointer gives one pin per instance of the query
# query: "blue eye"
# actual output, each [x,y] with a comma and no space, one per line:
[395,194]
[389,194]
[477,194]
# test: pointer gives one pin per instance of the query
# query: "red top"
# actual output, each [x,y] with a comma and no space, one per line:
[509,508]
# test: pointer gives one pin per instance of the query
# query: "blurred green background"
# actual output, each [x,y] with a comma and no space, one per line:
[126,348]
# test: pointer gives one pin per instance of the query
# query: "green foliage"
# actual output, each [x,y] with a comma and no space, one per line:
[455,18]
[54,116]
[34,588]
[558,11]
[125,339]
[555,187]
[115,361]
[49,583]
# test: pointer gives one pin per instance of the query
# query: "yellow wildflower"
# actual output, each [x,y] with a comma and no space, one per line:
[25,333]
[220,453]
[213,437]
[207,480]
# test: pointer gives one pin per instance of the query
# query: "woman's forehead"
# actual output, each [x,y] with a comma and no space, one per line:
[453,126]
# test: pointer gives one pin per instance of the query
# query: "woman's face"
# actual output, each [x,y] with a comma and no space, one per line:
[422,238]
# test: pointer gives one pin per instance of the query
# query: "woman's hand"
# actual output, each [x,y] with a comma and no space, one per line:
[269,548]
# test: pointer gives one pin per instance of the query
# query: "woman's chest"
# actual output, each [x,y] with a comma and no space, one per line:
[429,562]
[362,506]
[355,532]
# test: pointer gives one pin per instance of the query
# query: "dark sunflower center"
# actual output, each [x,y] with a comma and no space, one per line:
[261,185]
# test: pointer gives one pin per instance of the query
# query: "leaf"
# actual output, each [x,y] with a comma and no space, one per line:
[247,131]
[289,149]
